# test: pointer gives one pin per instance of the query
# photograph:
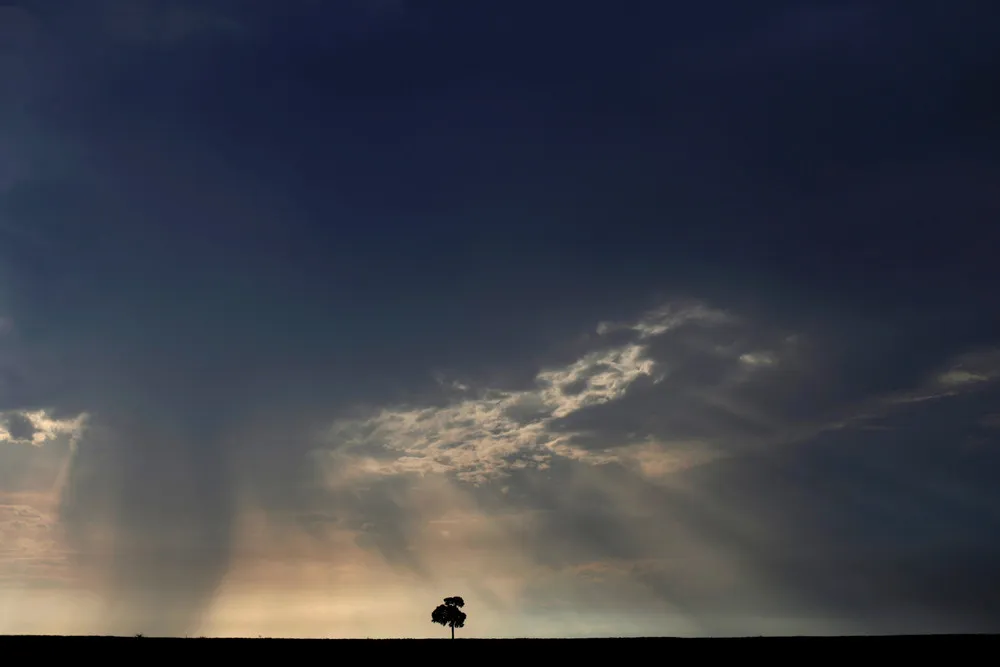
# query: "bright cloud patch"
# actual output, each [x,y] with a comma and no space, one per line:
[680,386]
[495,432]
[38,427]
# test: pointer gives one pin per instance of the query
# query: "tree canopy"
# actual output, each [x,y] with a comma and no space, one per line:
[450,614]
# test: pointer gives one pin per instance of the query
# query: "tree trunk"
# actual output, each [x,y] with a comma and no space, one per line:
[453,632]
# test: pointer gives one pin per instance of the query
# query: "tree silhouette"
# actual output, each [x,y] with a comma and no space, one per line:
[450,614]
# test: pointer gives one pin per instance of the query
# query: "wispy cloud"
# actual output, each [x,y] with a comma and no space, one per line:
[489,433]
[680,386]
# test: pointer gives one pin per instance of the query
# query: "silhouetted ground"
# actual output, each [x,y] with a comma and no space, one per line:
[769,647]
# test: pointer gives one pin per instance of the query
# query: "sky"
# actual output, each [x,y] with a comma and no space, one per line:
[614,319]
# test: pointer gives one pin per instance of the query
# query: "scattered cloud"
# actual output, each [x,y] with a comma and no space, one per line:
[968,372]
[666,317]
[681,386]
[37,427]
[486,436]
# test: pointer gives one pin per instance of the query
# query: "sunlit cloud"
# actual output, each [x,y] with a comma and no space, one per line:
[967,372]
[666,317]
[488,436]
[680,386]
[37,427]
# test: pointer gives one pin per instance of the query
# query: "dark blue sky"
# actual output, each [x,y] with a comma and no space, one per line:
[251,242]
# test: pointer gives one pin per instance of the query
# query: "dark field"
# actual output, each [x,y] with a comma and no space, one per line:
[771,647]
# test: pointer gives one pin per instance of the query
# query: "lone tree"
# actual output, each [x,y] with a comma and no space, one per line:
[450,614]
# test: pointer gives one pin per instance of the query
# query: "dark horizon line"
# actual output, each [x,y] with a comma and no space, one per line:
[923,636]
